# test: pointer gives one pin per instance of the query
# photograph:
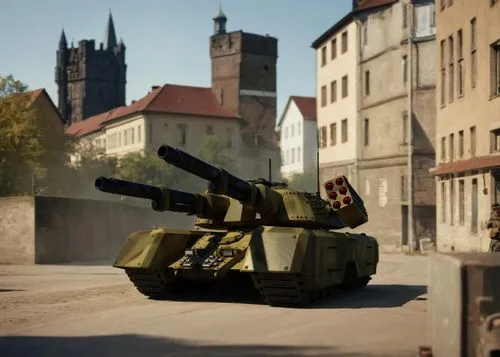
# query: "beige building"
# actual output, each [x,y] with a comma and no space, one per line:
[337,99]
[468,122]
[397,149]
[179,116]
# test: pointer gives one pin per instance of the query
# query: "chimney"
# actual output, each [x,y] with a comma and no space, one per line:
[154,87]
[355,4]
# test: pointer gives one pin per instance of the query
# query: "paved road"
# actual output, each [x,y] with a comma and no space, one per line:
[75,311]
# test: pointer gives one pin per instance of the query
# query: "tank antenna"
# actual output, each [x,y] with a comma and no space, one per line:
[269,163]
[317,162]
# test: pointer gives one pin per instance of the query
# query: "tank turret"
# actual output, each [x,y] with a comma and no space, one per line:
[263,228]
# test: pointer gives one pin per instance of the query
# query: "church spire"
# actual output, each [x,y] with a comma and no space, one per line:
[110,35]
[62,40]
[220,22]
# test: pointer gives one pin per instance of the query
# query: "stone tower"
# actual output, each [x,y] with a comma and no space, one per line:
[90,81]
[244,80]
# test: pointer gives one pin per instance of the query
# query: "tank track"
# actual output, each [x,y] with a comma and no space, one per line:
[288,290]
[151,284]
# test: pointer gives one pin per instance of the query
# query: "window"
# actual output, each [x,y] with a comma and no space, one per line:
[452,200]
[298,154]
[365,33]
[495,140]
[473,59]
[286,133]
[433,15]
[404,129]
[405,69]
[367,83]
[229,137]
[404,188]
[452,147]
[333,134]
[323,137]
[460,58]
[443,149]
[287,157]
[451,76]
[139,133]
[366,129]
[334,48]
[323,56]
[209,130]
[299,128]
[333,91]
[443,74]
[461,144]
[474,213]
[150,134]
[182,133]
[323,96]
[344,130]
[292,131]
[405,15]
[345,87]
[495,68]
[293,156]
[344,42]
[473,141]
[443,202]
[461,202]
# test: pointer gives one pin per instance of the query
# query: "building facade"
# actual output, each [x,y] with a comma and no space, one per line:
[90,81]
[397,60]
[298,136]
[468,122]
[337,100]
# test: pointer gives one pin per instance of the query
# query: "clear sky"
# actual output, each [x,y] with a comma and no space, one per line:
[166,40]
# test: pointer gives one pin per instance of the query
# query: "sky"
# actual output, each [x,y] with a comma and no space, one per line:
[167,41]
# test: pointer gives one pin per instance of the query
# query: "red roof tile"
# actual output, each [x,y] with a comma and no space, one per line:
[368,4]
[478,163]
[307,106]
[170,98]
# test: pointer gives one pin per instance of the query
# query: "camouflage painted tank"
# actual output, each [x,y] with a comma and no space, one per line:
[283,238]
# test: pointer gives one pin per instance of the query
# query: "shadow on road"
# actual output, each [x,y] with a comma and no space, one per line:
[9,290]
[139,346]
[377,296]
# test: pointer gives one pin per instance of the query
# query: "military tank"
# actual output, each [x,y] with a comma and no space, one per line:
[283,238]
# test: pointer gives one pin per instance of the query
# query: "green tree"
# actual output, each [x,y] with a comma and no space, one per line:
[304,182]
[147,168]
[29,146]
[213,152]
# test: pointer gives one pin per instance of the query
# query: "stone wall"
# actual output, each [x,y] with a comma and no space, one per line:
[51,230]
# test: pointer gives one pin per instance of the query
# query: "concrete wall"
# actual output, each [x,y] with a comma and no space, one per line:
[50,230]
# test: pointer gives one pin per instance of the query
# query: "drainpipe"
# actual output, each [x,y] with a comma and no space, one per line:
[412,244]
[359,89]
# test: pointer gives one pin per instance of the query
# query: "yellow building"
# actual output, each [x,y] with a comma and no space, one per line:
[468,121]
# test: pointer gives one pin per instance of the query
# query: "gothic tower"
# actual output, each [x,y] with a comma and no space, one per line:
[244,80]
[90,81]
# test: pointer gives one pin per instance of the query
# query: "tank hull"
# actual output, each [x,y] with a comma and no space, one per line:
[288,266]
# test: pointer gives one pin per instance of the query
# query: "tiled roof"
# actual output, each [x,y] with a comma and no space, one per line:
[170,98]
[478,163]
[368,4]
[307,106]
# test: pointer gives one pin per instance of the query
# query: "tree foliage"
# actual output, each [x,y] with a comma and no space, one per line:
[29,145]
[304,182]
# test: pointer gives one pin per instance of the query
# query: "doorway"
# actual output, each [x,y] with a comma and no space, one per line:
[404,225]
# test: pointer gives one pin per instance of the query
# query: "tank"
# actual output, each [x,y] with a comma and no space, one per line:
[285,241]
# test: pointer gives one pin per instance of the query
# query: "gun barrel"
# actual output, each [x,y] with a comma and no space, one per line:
[236,187]
[127,188]
[179,200]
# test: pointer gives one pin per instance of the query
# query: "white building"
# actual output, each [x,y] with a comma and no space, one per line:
[337,78]
[297,127]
